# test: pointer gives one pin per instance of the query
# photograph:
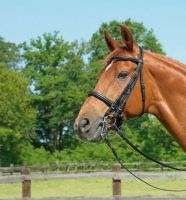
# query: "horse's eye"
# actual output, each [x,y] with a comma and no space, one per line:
[122,75]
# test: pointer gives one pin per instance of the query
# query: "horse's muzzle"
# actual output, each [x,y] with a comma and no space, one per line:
[88,129]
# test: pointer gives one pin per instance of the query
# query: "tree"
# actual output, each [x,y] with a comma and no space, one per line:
[9,54]
[17,117]
[56,72]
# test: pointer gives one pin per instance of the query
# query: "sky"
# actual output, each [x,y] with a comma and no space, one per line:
[22,20]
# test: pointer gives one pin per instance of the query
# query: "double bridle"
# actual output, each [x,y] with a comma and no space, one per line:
[115,111]
[116,107]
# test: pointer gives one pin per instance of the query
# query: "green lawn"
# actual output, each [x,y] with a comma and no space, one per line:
[89,187]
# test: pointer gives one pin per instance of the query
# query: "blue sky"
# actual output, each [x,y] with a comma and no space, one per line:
[22,20]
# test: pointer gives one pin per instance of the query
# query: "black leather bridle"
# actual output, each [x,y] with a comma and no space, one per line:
[118,105]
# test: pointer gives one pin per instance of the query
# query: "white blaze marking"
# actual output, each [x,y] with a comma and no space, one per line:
[109,66]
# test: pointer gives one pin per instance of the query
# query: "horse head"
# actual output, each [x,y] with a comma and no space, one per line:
[113,80]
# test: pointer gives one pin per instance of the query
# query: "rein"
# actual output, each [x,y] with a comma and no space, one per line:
[107,141]
[115,111]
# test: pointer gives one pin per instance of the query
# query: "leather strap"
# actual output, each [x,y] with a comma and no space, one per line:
[99,96]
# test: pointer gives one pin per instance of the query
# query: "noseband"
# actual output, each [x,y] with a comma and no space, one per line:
[119,104]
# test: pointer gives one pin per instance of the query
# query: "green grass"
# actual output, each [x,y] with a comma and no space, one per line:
[89,187]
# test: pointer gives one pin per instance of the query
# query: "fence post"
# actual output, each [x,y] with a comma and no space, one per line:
[75,167]
[26,184]
[83,167]
[46,168]
[11,169]
[116,181]
[58,166]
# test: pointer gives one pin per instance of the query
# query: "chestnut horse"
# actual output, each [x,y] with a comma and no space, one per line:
[165,94]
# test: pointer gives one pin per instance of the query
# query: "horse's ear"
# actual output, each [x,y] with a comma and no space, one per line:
[127,37]
[111,42]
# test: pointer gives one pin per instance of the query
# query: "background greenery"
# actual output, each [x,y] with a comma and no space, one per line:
[43,84]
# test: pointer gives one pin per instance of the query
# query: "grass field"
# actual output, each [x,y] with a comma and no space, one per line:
[89,187]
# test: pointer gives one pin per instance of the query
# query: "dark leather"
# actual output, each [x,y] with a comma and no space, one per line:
[99,96]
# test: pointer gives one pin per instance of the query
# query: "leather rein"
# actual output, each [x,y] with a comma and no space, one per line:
[115,112]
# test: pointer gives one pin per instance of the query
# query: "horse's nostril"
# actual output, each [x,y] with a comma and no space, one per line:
[84,125]
[84,122]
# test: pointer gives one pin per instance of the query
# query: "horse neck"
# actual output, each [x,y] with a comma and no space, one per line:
[167,93]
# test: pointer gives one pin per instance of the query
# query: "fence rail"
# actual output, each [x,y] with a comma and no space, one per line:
[84,167]
[27,176]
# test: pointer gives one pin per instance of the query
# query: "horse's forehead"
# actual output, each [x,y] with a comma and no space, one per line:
[116,52]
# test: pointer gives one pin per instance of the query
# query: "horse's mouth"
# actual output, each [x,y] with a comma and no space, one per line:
[92,135]
[97,135]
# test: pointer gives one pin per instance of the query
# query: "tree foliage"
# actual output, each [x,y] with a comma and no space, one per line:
[17,117]
[9,54]
[55,69]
